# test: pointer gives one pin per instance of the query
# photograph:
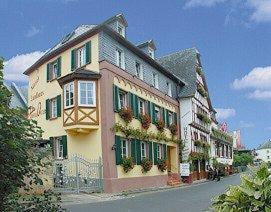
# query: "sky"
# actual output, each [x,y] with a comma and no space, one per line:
[232,36]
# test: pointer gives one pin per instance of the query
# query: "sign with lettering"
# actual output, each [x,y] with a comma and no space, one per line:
[185,169]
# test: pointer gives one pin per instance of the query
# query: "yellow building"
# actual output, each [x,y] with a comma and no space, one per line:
[94,94]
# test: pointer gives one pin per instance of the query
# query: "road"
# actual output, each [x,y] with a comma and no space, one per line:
[193,198]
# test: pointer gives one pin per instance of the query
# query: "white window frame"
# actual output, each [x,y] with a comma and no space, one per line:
[70,88]
[125,102]
[122,31]
[58,148]
[53,108]
[139,73]
[124,141]
[143,106]
[54,70]
[143,149]
[120,59]
[80,59]
[155,80]
[169,89]
[159,151]
[94,94]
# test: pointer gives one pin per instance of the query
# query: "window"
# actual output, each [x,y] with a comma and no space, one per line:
[53,69]
[170,118]
[121,29]
[159,151]
[155,80]
[195,136]
[143,150]
[169,89]
[151,53]
[86,93]
[81,56]
[120,58]
[69,94]
[124,148]
[141,106]
[157,112]
[53,108]
[123,99]
[58,148]
[139,71]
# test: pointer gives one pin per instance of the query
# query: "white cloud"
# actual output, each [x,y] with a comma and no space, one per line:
[32,32]
[14,67]
[261,10]
[243,124]
[202,3]
[224,113]
[260,95]
[259,78]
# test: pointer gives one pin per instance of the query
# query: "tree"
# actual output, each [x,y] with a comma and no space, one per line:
[242,159]
[254,193]
[21,158]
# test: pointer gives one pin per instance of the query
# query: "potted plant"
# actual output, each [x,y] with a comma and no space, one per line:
[173,129]
[145,120]
[126,114]
[160,124]
[146,164]
[162,165]
[127,163]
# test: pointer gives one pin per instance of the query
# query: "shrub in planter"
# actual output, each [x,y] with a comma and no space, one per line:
[173,129]
[127,163]
[162,165]
[197,143]
[160,124]
[145,120]
[146,164]
[126,114]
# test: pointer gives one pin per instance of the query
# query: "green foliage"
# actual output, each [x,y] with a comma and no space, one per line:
[202,91]
[254,193]
[242,159]
[127,164]
[146,164]
[199,70]
[20,158]
[221,135]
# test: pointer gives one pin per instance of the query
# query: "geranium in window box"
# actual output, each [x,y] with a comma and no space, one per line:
[145,120]
[127,164]
[160,124]
[146,164]
[162,165]
[126,114]
[173,129]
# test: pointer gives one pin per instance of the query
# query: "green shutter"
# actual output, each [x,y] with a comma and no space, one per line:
[167,119]
[65,147]
[150,151]
[136,113]
[149,109]
[73,59]
[133,149]
[163,115]
[58,102]
[165,151]
[116,98]
[155,153]
[88,52]
[52,145]
[118,150]
[131,101]
[153,113]
[47,108]
[48,72]
[175,118]
[138,152]
[59,67]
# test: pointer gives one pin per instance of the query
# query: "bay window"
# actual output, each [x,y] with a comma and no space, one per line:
[86,93]
[69,95]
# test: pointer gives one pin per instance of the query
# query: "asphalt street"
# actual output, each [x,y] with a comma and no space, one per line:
[193,198]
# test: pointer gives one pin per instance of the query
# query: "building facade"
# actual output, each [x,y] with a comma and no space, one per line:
[263,152]
[98,95]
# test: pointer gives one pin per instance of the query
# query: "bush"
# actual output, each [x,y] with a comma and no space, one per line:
[242,159]
[146,164]
[127,163]
[126,114]
[162,165]
[254,193]
[145,120]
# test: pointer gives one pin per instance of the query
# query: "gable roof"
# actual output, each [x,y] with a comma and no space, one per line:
[183,65]
[147,43]
[266,145]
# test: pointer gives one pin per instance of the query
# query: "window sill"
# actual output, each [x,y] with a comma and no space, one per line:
[51,119]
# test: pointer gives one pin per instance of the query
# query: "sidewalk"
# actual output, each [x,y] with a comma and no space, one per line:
[83,198]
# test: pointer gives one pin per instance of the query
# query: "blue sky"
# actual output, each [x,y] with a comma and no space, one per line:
[233,37]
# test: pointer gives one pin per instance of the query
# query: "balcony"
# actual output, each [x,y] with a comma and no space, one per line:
[80,102]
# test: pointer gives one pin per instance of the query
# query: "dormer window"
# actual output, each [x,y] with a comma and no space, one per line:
[151,53]
[121,29]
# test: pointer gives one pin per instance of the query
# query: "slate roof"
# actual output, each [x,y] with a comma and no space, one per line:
[19,95]
[183,65]
[266,145]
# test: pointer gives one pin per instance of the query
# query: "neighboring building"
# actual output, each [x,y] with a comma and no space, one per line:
[78,87]
[195,108]
[263,152]
[19,96]
[237,140]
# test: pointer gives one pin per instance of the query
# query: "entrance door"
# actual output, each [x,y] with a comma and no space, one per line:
[168,159]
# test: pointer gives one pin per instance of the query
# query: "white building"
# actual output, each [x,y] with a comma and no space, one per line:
[263,152]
